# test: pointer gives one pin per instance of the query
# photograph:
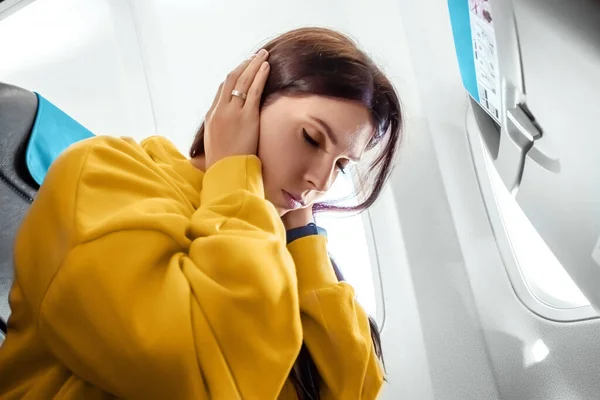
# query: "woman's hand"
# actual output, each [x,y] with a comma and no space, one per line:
[232,123]
[298,218]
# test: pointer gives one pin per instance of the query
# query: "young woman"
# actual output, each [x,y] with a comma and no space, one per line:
[141,274]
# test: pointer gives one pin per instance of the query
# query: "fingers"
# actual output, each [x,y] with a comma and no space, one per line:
[231,81]
[247,77]
[258,85]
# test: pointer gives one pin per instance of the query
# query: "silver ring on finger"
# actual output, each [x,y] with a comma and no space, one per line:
[239,94]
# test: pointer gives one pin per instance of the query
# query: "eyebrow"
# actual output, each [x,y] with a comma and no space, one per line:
[326,128]
[329,132]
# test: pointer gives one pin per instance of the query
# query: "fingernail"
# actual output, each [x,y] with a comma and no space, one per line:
[264,66]
[263,52]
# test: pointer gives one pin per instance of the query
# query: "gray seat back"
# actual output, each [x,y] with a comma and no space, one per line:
[18,109]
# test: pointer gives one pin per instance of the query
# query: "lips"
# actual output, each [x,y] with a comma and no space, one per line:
[293,202]
[297,198]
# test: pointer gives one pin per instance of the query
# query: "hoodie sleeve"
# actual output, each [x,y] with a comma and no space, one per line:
[336,328]
[145,302]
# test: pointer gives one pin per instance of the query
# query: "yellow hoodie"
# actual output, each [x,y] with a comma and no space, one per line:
[139,276]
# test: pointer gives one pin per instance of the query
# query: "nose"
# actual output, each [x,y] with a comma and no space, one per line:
[320,177]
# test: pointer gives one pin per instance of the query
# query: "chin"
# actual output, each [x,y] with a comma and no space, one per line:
[281,210]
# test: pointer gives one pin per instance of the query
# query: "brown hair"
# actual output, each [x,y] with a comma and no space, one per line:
[319,61]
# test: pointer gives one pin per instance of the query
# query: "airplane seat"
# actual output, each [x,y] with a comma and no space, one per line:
[18,108]
[33,132]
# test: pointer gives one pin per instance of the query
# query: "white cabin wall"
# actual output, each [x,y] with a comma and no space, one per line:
[456,350]
[83,57]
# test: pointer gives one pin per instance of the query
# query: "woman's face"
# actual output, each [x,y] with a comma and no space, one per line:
[305,143]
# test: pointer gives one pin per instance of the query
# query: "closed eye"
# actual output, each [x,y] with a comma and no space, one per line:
[312,142]
[309,139]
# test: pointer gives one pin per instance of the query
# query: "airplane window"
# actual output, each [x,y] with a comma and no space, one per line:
[544,275]
[347,237]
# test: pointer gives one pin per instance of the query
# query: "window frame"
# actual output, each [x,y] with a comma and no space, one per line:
[517,280]
[380,312]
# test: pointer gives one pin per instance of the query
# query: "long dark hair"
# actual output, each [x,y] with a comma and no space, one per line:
[319,61]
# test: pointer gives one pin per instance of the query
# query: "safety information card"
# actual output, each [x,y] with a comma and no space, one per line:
[485,56]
